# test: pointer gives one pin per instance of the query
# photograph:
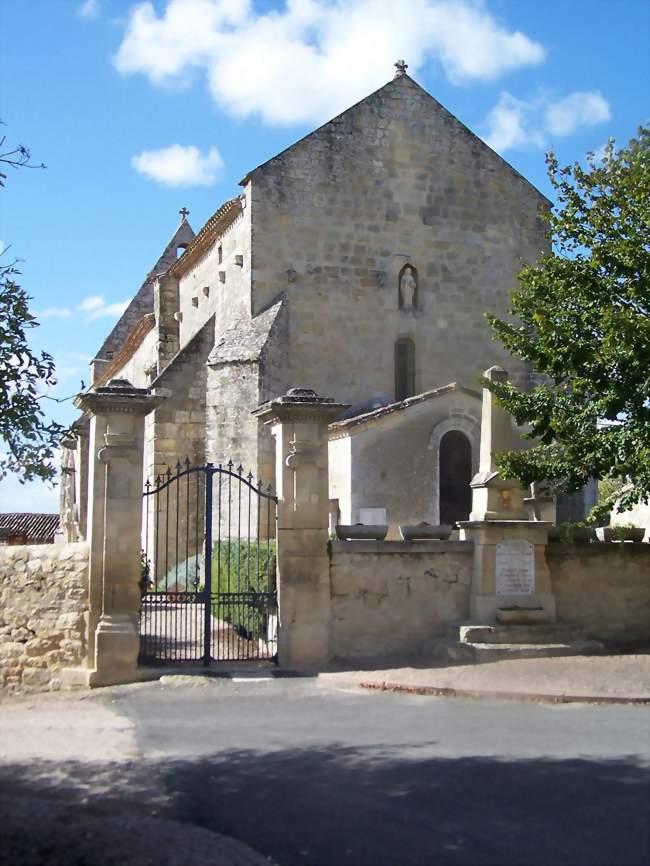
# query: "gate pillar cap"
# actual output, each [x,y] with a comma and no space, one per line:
[119,395]
[302,403]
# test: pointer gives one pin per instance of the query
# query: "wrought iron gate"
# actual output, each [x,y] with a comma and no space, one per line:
[208,567]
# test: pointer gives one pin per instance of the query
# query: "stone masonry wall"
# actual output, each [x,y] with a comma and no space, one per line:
[604,588]
[43,603]
[394,598]
[394,180]
[176,430]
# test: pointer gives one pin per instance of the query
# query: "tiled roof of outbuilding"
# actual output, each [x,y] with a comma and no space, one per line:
[37,528]
[393,408]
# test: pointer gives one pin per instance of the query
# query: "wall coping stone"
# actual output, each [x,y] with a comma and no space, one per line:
[401,548]
[599,548]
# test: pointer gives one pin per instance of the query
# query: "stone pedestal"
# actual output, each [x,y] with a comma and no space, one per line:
[299,422]
[510,578]
[117,413]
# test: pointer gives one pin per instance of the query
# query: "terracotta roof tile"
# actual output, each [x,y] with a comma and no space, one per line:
[36,528]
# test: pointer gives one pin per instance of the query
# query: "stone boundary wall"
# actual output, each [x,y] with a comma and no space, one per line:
[603,588]
[43,606]
[394,597]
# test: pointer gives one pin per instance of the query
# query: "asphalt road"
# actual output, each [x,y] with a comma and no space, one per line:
[315,774]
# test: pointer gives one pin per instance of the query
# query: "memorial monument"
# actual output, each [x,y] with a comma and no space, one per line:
[510,578]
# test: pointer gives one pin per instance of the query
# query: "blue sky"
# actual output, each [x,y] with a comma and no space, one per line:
[139,109]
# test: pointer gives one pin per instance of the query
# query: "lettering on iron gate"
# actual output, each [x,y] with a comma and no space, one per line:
[208,582]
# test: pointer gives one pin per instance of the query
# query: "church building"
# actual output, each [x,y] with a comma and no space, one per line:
[359,262]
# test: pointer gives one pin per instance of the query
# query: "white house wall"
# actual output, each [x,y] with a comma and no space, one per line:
[340,476]
[394,460]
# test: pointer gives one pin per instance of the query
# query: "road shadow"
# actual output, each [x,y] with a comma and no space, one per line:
[329,806]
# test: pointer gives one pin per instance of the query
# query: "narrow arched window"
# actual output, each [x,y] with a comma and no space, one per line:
[180,249]
[404,368]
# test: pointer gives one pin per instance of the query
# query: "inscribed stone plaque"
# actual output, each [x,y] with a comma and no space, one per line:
[515,568]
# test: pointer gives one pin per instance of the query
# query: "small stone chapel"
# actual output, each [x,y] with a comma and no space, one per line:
[359,262]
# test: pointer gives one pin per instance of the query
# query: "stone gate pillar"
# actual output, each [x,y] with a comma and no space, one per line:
[299,422]
[117,413]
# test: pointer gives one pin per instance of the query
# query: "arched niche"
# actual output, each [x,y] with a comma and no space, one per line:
[408,285]
[455,443]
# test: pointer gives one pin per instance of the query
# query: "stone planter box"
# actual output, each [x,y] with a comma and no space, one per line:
[361,532]
[425,532]
[620,533]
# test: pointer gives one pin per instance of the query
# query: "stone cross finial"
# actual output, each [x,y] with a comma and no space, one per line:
[184,213]
[401,67]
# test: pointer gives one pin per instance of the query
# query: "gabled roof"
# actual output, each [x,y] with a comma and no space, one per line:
[219,222]
[128,349]
[142,302]
[398,81]
[367,418]
[35,528]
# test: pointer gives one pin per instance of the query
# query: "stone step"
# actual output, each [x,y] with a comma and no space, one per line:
[547,633]
[477,653]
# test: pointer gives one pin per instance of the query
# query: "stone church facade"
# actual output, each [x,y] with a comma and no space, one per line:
[359,262]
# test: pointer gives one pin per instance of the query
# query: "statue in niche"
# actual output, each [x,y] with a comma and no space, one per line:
[408,286]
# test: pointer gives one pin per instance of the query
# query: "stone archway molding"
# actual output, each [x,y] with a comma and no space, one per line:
[459,420]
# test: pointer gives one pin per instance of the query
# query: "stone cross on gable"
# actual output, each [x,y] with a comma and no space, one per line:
[184,213]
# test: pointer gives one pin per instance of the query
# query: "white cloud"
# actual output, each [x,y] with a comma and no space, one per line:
[91,303]
[600,154]
[313,58]
[96,307]
[576,111]
[89,9]
[53,313]
[516,123]
[179,165]
[509,122]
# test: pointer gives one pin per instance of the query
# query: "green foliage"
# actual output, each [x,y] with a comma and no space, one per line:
[566,532]
[582,319]
[30,439]
[610,490]
[620,531]
[243,567]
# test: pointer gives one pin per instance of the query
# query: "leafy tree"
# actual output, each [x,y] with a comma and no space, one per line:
[583,322]
[30,440]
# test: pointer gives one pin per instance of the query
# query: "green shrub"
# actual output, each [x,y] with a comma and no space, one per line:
[239,567]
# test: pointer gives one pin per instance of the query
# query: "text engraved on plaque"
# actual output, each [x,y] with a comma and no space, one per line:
[515,567]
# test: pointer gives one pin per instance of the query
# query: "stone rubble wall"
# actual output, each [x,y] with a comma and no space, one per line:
[603,588]
[43,606]
[394,598]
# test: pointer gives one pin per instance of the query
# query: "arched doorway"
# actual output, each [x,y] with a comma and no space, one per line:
[455,475]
